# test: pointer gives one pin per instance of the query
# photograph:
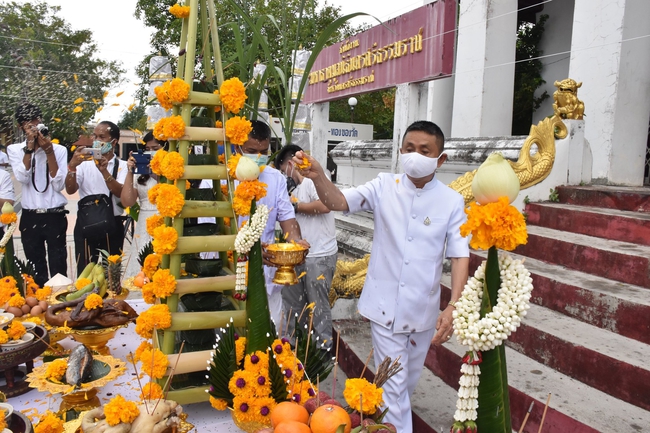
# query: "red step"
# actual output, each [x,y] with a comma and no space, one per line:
[612,224]
[614,260]
[635,199]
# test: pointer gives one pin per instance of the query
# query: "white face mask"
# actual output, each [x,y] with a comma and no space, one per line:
[417,165]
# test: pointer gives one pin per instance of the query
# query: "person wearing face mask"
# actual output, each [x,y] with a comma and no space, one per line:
[281,210]
[417,223]
[136,188]
[40,167]
[317,225]
[92,177]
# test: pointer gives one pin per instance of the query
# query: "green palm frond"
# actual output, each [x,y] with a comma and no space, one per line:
[223,366]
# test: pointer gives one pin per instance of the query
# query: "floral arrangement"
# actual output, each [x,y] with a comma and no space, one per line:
[162,284]
[249,188]
[168,199]
[154,363]
[93,301]
[151,264]
[8,215]
[151,391]
[493,301]
[118,410]
[16,330]
[237,130]
[153,222]
[164,240]
[172,91]
[157,316]
[172,127]
[173,166]
[233,95]
[179,11]
[56,370]
[49,423]
[363,396]
[156,162]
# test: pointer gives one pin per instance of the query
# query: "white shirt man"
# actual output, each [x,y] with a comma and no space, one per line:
[40,166]
[417,221]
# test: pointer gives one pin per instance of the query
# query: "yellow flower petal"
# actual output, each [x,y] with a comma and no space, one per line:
[131,107]
[65,83]
[55,140]
[77,110]
[105,94]
[78,101]
[56,119]
[119,94]
[76,79]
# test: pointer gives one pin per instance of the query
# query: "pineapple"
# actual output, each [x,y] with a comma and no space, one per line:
[144,252]
[113,269]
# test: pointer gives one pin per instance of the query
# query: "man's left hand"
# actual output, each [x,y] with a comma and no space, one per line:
[102,164]
[444,327]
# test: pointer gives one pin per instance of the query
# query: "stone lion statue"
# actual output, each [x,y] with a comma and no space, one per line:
[566,104]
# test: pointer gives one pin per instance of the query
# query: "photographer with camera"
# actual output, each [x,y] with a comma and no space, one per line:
[139,180]
[98,174]
[40,166]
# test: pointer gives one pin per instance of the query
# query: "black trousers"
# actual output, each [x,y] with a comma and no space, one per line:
[38,230]
[87,249]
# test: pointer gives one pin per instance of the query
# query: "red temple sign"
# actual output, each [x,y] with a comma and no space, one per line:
[414,47]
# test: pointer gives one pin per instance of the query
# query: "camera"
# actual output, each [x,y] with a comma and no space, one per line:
[43,129]
[92,153]
[142,161]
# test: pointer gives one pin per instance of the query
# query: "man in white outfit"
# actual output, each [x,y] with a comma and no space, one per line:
[417,222]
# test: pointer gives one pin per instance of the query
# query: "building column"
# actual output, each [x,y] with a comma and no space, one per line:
[485,69]
[410,105]
[440,103]
[610,55]
[320,119]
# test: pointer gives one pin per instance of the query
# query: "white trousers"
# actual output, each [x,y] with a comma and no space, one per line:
[412,348]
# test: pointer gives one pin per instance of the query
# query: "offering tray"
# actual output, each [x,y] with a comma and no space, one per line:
[10,359]
[285,257]
[94,339]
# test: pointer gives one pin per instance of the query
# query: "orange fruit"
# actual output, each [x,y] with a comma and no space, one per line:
[289,411]
[328,418]
[292,427]
[139,280]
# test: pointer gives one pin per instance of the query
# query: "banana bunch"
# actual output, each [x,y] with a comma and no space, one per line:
[98,284]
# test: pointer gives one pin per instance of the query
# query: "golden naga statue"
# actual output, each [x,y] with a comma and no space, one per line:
[566,104]
[530,169]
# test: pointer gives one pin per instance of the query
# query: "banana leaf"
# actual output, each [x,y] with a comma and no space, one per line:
[493,397]
[223,366]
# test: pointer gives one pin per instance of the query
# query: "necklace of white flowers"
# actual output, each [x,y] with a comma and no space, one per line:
[246,238]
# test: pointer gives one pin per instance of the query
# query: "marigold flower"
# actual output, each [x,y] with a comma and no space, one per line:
[168,200]
[164,283]
[163,96]
[8,218]
[218,124]
[165,240]
[4,337]
[77,109]
[174,128]
[178,90]
[147,294]
[157,161]
[244,195]
[3,423]
[151,264]
[240,349]
[159,129]
[56,369]
[495,224]
[16,330]
[49,423]
[233,95]
[179,11]
[173,165]
[218,403]
[237,129]
[114,258]
[16,301]
[78,101]
[157,316]
[357,388]
[81,283]
[93,301]
[152,194]
[232,165]
[154,363]
[151,391]
[119,410]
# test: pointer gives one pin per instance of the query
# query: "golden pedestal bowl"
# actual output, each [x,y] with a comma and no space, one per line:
[94,339]
[285,257]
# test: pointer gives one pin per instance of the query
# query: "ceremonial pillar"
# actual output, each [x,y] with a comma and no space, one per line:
[485,70]
[610,55]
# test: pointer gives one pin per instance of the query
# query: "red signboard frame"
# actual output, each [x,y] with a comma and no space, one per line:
[414,47]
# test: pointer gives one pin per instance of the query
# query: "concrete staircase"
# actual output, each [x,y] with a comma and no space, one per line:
[586,338]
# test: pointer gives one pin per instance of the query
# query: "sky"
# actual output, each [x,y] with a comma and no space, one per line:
[121,37]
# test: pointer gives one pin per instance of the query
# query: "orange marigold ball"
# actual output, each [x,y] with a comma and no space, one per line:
[328,418]
[289,411]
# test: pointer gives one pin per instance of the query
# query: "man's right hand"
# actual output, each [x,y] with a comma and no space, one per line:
[78,157]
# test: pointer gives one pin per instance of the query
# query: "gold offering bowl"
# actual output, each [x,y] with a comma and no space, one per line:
[94,339]
[285,257]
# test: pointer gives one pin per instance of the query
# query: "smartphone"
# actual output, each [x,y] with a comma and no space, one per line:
[142,161]
[92,153]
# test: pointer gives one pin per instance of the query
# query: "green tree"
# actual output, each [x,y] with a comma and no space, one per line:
[45,62]
[375,108]
[134,119]
[528,75]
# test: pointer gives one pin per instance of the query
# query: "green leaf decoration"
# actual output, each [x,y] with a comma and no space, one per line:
[223,366]
[493,395]
[144,252]
[259,328]
[319,363]
[278,385]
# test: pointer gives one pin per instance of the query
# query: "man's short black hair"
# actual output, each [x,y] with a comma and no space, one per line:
[285,153]
[261,131]
[428,127]
[113,129]
[26,112]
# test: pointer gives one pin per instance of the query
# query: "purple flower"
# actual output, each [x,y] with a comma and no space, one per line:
[300,366]
[296,398]
[255,359]
[278,349]
[211,388]
[284,340]
[240,383]
[243,407]
[288,373]
[264,411]
[236,336]
[261,380]
[311,392]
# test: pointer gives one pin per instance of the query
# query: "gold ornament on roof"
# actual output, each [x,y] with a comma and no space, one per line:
[566,104]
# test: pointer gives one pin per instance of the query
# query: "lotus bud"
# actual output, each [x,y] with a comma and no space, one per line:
[246,169]
[7,208]
[495,178]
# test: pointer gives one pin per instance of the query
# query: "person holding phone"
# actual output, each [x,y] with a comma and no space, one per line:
[136,189]
[98,178]
[40,167]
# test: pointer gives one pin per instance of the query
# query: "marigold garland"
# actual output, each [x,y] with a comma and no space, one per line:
[233,95]
[179,11]
[49,423]
[237,130]
[151,264]
[119,410]
[244,195]
[8,218]
[153,222]
[173,166]
[156,162]
[168,200]
[16,330]
[164,283]
[56,369]
[495,224]
[157,316]
[154,363]
[372,396]
[165,240]
[93,301]
[151,391]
